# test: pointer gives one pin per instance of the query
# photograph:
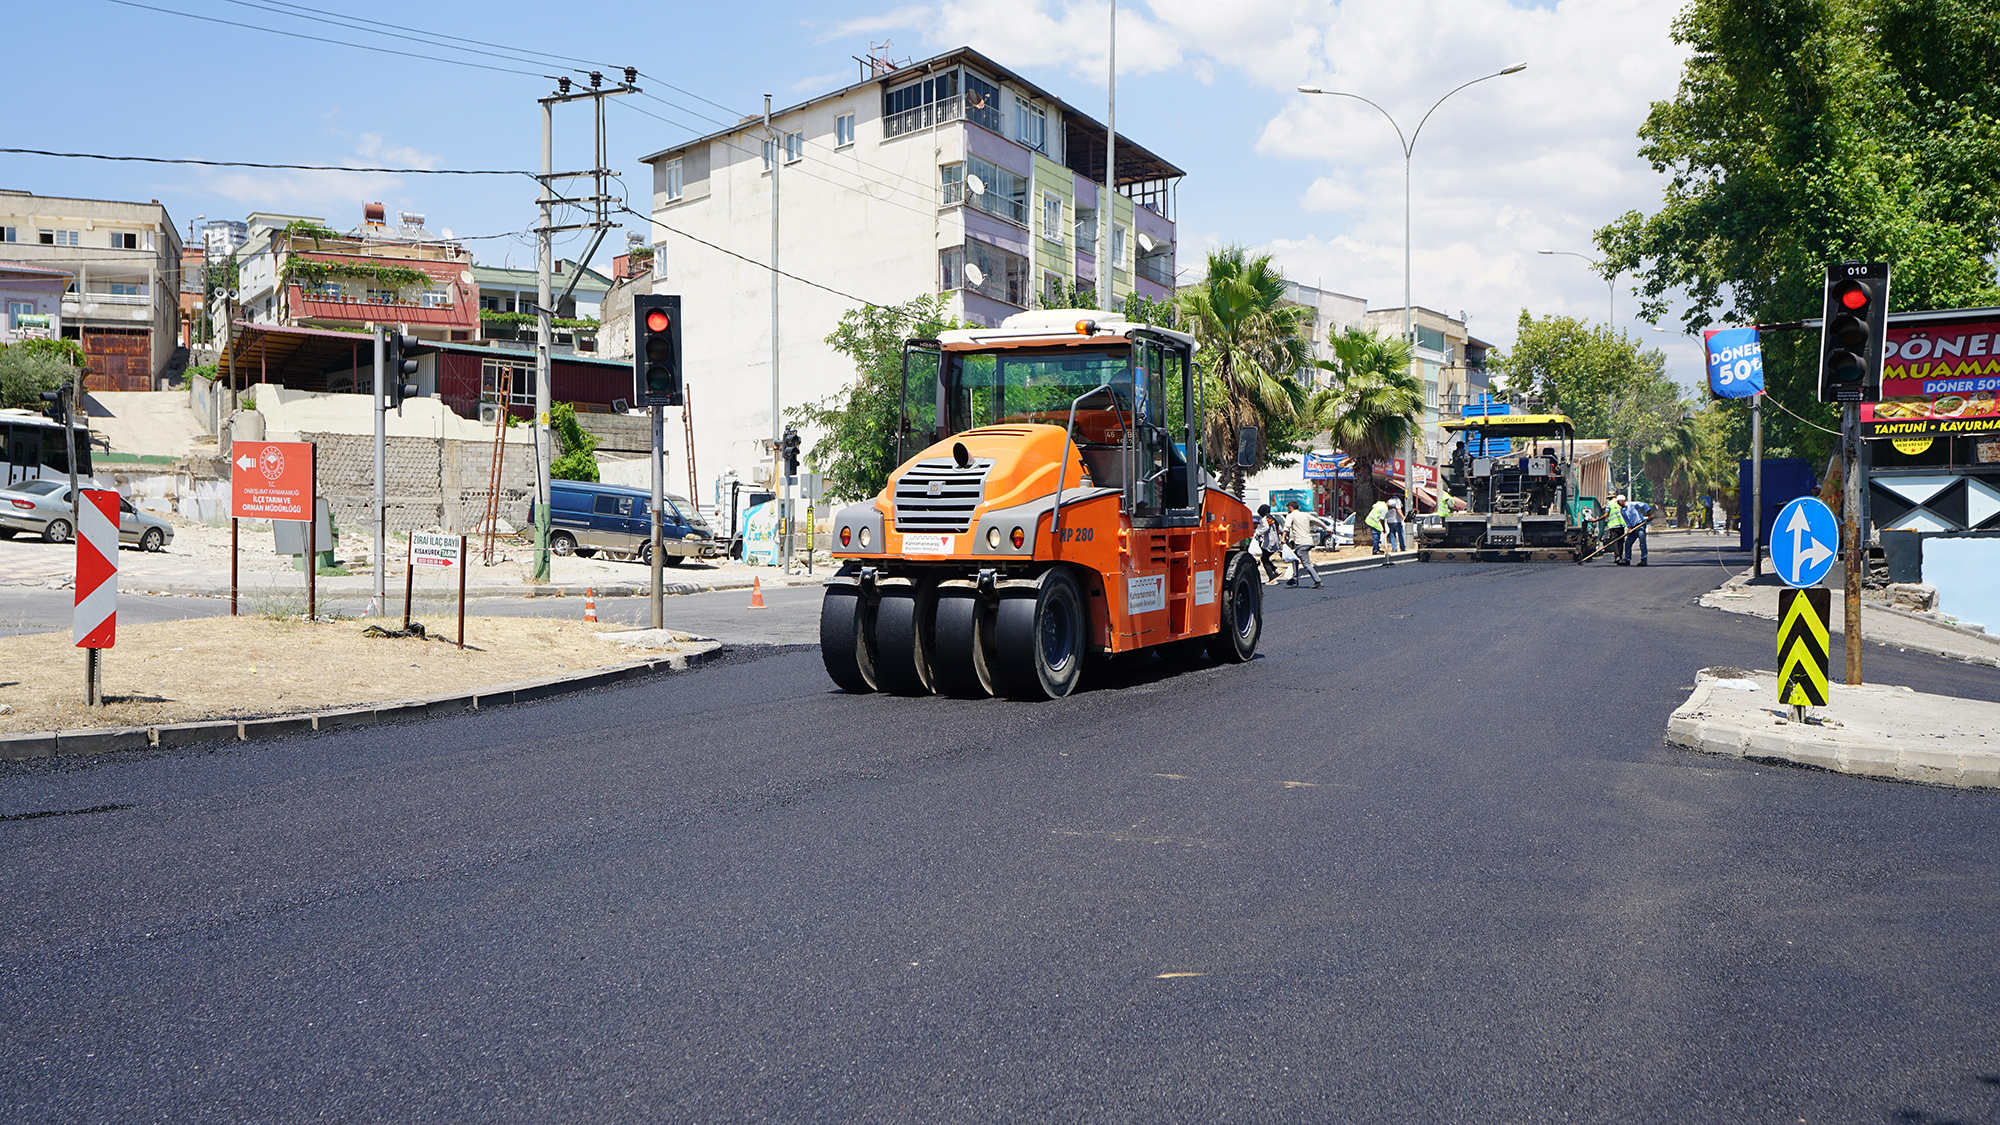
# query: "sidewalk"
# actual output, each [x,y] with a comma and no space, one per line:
[1875,730]
[197,563]
[1880,623]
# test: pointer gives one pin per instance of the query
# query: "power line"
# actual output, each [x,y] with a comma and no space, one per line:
[282,167]
[401,29]
[322,39]
[755,262]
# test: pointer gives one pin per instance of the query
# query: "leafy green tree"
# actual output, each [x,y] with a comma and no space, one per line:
[26,370]
[1372,407]
[1605,382]
[579,456]
[857,451]
[1253,346]
[1809,132]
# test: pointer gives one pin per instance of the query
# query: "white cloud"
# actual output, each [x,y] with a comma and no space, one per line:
[336,196]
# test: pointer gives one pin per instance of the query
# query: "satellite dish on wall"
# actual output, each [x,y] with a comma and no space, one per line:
[465,276]
[976,185]
[1146,242]
[974,274]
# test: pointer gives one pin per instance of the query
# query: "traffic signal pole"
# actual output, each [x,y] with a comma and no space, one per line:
[659,414]
[379,603]
[1853,332]
[1850,535]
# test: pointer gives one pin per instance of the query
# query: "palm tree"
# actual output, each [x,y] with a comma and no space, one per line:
[1252,346]
[1372,407]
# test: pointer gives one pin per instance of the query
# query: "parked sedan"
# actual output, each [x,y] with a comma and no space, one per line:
[42,507]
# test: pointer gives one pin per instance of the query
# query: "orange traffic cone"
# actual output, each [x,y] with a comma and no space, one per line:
[756,593]
[590,603]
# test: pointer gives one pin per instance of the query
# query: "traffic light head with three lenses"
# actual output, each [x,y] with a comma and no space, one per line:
[656,350]
[399,368]
[791,449]
[1852,332]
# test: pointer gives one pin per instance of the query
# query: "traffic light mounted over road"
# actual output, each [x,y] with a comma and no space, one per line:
[1853,332]
[399,368]
[656,349]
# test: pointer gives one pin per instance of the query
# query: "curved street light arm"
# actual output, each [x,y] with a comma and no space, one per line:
[1385,113]
[1441,101]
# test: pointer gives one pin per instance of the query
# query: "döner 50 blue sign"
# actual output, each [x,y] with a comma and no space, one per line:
[1735,362]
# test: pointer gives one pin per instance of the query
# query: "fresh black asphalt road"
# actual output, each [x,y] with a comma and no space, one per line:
[1425,859]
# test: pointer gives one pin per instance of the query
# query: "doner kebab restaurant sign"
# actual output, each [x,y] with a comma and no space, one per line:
[1940,378]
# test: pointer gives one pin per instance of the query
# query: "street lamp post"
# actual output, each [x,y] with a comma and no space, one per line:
[1409,144]
[1610,282]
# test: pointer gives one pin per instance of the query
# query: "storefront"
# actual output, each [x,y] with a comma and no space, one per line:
[1934,448]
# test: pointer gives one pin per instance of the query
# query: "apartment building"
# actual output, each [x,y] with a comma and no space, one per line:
[294,270]
[507,302]
[1452,362]
[122,301]
[1333,314]
[953,175]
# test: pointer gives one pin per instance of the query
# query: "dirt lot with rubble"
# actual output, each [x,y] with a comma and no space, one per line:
[250,667]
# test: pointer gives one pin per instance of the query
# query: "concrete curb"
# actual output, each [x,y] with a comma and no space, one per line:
[45,744]
[1937,740]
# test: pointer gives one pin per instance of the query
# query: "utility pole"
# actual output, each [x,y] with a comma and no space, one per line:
[779,481]
[545,258]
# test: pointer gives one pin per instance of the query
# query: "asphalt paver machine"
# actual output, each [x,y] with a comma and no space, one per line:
[1517,483]
[1048,507]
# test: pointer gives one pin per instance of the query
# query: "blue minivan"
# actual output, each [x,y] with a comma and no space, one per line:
[586,518]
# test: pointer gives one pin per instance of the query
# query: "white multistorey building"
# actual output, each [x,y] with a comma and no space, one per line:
[122,300]
[1333,313]
[952,175]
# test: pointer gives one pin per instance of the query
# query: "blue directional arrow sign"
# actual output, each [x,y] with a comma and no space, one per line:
[1804,542]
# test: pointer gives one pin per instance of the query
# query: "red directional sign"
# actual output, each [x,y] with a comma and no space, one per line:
[271,480]
[95,623]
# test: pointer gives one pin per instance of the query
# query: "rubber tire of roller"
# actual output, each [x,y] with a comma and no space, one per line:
[1236,641]
[845,646]
[1041,637]
[962,663]
[904,647]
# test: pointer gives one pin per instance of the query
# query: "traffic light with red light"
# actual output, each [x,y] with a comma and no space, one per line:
[656,349]
[1853,332]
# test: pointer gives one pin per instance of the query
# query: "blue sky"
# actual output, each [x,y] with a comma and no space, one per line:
[1536,160]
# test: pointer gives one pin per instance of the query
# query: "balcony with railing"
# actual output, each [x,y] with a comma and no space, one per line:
[380,306]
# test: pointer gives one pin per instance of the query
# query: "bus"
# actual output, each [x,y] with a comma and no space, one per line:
[32,446]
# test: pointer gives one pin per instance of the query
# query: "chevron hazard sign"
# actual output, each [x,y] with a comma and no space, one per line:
[95,622]
[1802,647]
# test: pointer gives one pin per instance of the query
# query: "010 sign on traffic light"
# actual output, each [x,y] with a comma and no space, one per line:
[656,351]
[1853,332]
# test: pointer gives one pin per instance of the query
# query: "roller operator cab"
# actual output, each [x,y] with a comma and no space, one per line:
[1044,511]
[1515,481]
